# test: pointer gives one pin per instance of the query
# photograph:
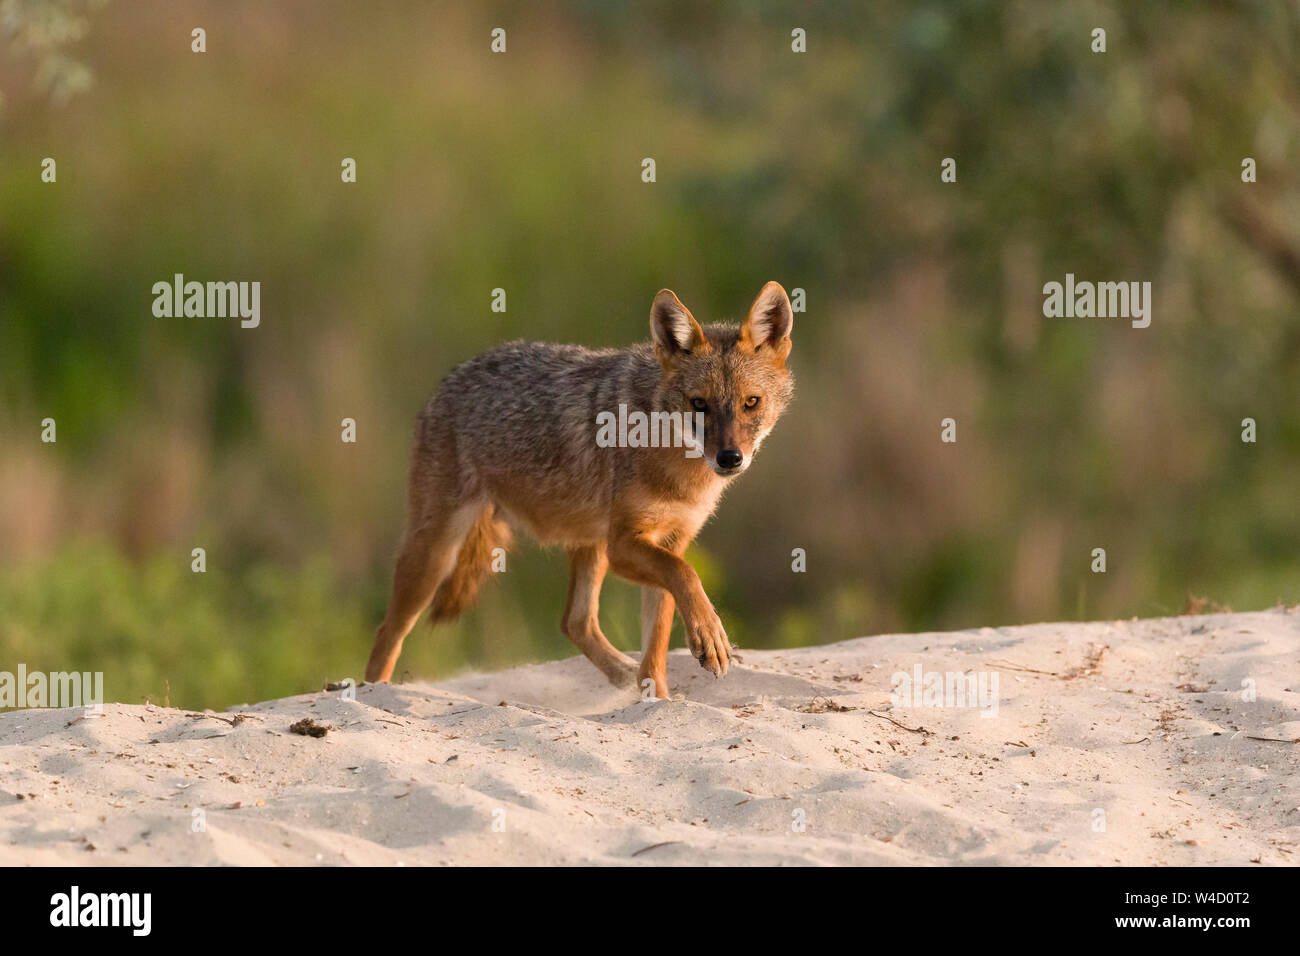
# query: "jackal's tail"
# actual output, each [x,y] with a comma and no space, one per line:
[473,562]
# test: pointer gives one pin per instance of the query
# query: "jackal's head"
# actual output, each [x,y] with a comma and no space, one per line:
[734,375]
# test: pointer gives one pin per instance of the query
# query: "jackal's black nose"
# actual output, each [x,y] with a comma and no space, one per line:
[730,457]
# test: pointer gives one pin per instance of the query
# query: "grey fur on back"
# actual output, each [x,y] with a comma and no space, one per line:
[525,412]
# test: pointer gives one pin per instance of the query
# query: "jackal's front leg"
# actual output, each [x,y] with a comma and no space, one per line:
[657,608]
[636,558]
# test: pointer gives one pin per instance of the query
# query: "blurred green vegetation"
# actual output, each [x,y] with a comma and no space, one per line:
[522,171]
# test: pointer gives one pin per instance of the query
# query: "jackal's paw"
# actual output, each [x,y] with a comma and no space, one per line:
[708,643]
[653,684]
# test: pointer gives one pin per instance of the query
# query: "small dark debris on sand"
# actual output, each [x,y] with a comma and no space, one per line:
[309,728]
[824,705]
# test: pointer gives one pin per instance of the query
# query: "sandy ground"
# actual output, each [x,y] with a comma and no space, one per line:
[1113,743]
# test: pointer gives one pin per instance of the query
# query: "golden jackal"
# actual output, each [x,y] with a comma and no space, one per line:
[510,438]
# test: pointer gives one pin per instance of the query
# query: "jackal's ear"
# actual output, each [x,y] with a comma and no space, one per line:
[673,328]
[769,322]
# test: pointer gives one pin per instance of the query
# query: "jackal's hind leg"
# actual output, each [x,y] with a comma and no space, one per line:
[587,567]
[427,556]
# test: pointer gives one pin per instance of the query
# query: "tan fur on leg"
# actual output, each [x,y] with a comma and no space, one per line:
[587,567]
[657,607]
[426,558]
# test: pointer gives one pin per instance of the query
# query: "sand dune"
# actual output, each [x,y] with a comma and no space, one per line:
[797,757]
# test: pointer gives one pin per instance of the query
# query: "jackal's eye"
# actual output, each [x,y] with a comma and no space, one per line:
[751,402]
[699,404]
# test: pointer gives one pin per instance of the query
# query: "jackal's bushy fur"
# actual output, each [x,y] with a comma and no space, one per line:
[509,439]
